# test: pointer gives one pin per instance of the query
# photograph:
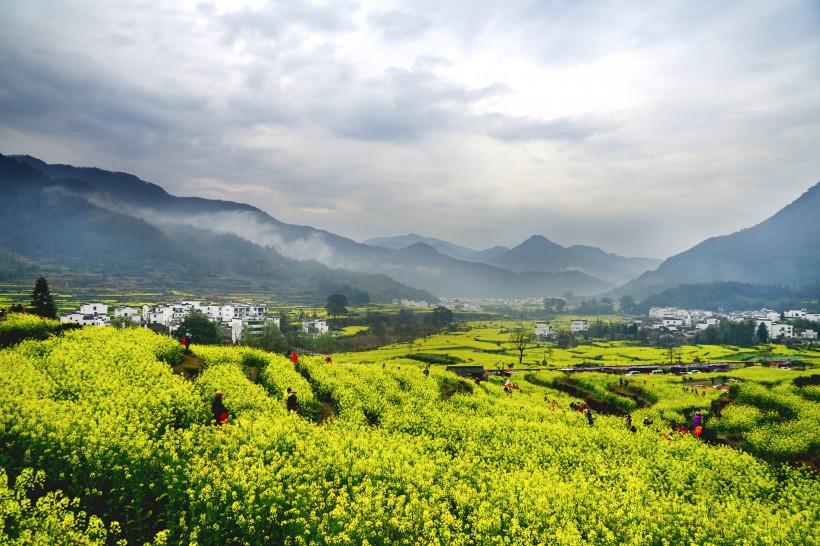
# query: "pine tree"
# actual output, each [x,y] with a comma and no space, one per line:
[42,304]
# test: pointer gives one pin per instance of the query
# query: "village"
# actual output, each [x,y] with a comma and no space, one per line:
[241,319]
[688,322]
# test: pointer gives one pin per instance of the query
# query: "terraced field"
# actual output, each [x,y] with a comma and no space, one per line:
[488,344]
[101,443]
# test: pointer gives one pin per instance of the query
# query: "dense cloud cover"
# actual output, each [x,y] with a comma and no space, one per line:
[639,130]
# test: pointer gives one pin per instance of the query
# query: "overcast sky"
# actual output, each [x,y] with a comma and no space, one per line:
[642,130]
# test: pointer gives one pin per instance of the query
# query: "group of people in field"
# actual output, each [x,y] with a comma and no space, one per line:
[631,426]
[222,415]
[583,408]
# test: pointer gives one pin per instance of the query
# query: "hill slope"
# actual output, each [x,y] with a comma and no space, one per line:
[51,223]
[782,250]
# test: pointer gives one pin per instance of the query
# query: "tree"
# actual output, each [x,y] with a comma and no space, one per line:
[336,305]
[202,330]
[763,333]
[520,339]
[441,317]
[672,349]
[42,304]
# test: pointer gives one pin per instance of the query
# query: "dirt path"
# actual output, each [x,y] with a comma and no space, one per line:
[190,366]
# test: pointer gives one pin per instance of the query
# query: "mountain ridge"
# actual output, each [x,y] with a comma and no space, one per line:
[783,249]
[150,203]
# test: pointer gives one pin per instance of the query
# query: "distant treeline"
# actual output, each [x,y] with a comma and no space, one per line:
[736,296]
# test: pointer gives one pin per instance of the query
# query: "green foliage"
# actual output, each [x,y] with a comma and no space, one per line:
[271,339]
[336,304]
[440,317]
[15,327]
[734,296]
[30,516]
[202,330]
[762,333]
[430,358]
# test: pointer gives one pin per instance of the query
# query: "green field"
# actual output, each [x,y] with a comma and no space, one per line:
[102,443]
[487,343]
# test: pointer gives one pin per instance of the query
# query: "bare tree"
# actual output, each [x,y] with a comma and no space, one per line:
[520,339]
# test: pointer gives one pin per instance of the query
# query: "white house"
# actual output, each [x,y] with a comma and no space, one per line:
[785,331]
[808,334]
[795,313]
[170,316]
[542,329]
[578,326]
[711,321]
[73,318]
[94,309]
[316,327]
[815,317]
[85,320]
[130,313]
[245,327]
[672,321]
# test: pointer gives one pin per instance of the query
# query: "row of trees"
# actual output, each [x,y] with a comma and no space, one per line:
[604,306]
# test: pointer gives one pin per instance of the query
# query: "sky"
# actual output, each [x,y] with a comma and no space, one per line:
[642,129]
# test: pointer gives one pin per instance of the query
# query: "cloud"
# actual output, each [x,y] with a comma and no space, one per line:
[401,25]
[511,128]
[640,130]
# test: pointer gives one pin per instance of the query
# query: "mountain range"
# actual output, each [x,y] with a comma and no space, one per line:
[86,220]
[536,254]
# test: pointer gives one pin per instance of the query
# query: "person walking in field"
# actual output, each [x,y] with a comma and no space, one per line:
[628,420]
[219,410]
[292,401]
[590,418]
[697,420]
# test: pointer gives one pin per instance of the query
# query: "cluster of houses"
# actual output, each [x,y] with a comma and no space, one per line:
[543,330]
[241,319]
[689,321]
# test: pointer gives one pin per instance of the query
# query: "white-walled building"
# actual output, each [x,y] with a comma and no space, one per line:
[578,326]
[672,321]
[244,327]
[130,313]
[785,331]
[85,319]
[542,329]
[810,335]
[94,309]
[795,313]
[315,327]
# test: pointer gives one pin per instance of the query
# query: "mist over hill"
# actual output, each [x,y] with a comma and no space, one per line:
[86,218]
[59,226]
